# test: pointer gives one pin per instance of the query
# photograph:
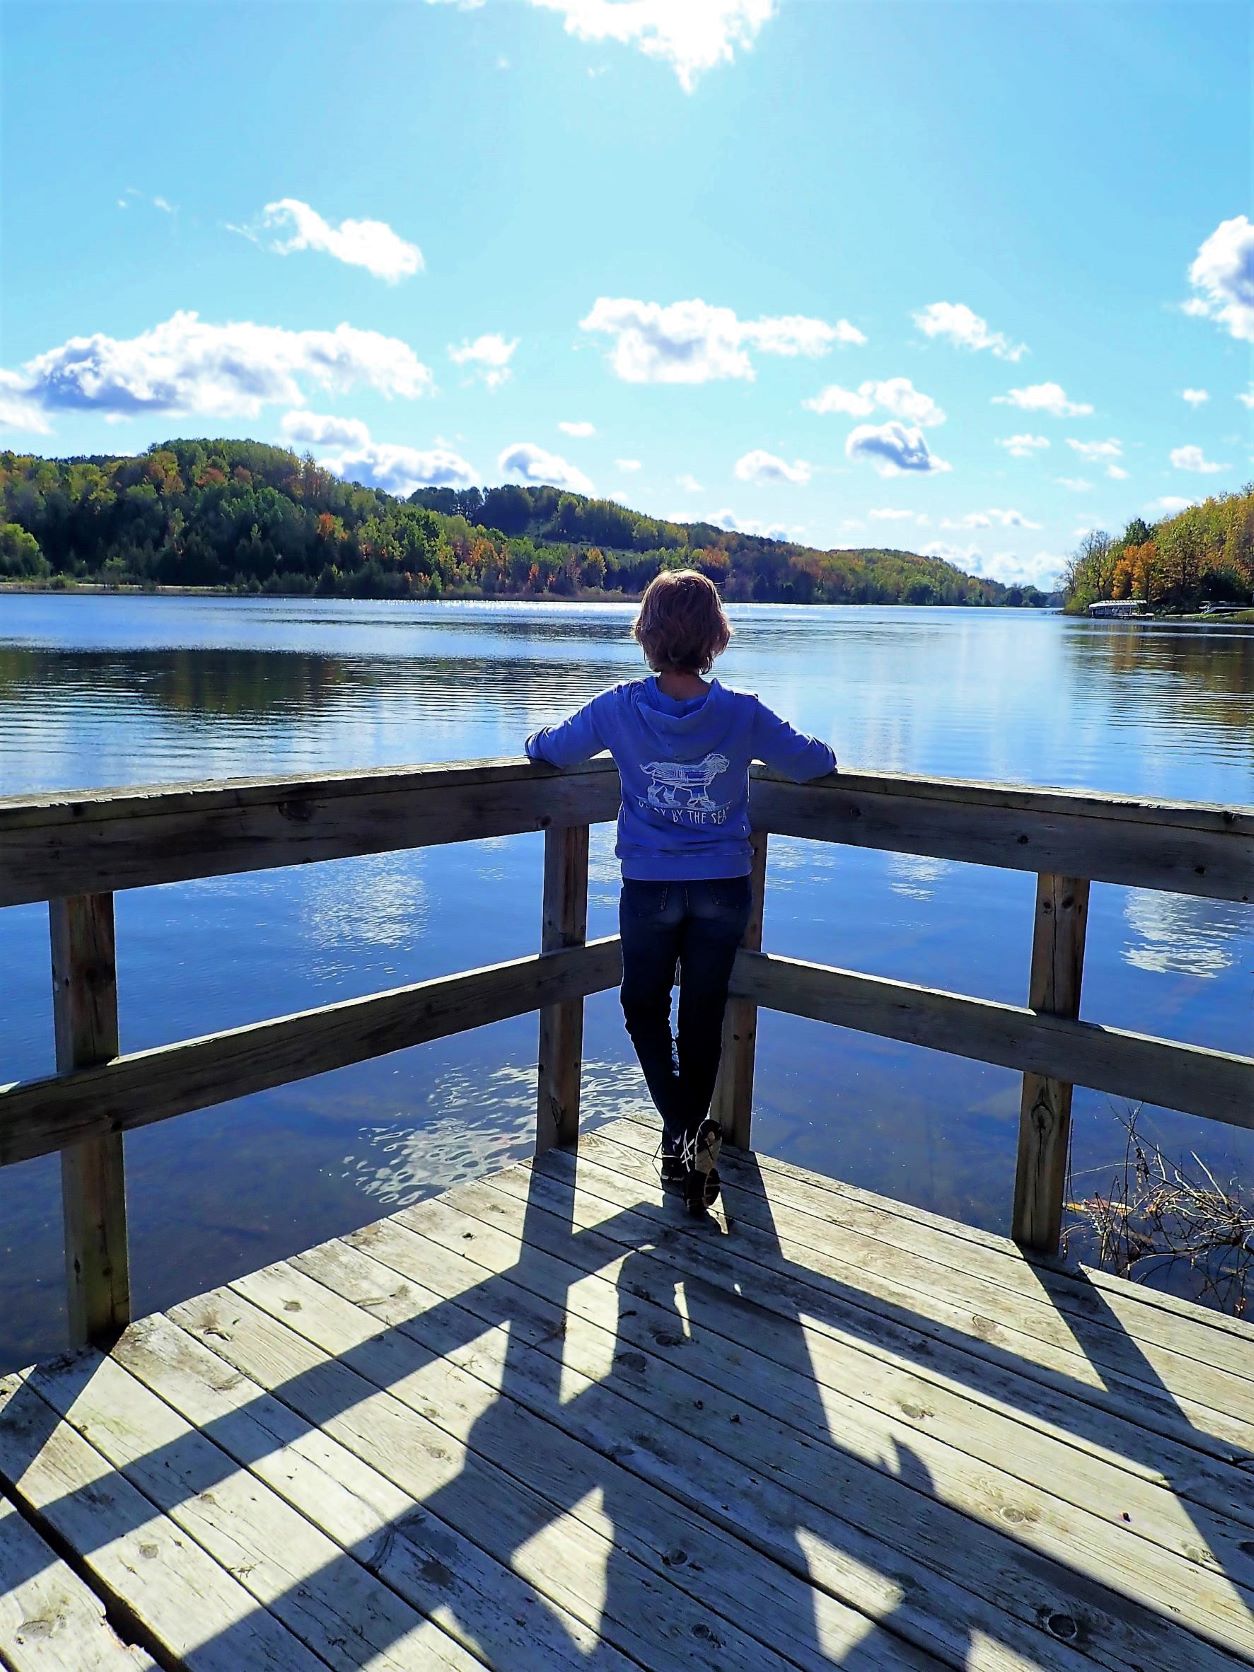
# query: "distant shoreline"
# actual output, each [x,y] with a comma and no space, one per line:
[98,589]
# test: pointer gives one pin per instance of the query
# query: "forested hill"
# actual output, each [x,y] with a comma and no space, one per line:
[254,518]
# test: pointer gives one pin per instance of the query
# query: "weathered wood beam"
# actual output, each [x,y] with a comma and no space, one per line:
[1215,1084]
[1171,845]
[113,839]
[93,1180]
[564,923]
[732,1103]
[39,1116]
[1045,1105]
[116,839]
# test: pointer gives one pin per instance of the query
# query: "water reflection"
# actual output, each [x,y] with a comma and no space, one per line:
[379,902]
[915,875]
[1176,934]
[471,1123]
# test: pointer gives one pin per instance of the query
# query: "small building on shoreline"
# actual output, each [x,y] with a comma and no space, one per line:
[1117,608]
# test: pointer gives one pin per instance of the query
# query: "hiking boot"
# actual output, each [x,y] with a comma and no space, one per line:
[701,1191]
[701,1149]
[670,1166]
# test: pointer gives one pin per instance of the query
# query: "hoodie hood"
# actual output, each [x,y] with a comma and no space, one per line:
[674,723]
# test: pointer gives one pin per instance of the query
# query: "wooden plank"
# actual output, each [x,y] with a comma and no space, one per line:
[1026,1324]
[1106,1543]
[49,1620]
[778,1604]
[93,1176]
[732,1104]
[444,1444]
[1075,1293]
[486,1609]
[325,1597]
[111,839]
[89,842]
[869,1396]
[1206,1329]
[866,1297]
[1154,1436]
[564,923]
[1057,970]
[1186,850]
[162,1587]
[39,1116]
[1218,1085]
[778,1609]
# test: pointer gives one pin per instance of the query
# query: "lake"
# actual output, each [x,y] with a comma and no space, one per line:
[101,691]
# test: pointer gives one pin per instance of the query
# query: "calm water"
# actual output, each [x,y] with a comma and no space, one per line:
[108,691]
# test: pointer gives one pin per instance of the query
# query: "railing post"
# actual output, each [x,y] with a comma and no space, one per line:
[733,1092]
[565,923]
[1045,1108]
[93,1184]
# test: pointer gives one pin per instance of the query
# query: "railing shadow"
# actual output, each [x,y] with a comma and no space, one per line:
[723,1541]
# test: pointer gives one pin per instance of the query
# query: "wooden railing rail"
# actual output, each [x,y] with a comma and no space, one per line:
[76,850]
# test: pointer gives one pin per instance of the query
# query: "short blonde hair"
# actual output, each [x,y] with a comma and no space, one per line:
[681,626]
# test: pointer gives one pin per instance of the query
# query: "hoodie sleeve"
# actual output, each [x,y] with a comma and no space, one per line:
[575,739]
[787,750]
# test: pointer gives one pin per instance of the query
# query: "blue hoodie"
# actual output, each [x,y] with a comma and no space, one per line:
[684,768]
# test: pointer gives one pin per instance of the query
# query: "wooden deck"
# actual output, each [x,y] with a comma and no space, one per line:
[545,1421]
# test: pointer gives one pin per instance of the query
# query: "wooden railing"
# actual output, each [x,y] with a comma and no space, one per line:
[76,850]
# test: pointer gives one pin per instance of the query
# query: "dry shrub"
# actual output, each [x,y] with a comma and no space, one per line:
[1168,1222]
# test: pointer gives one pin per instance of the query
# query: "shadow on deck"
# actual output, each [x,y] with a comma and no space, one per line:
[545,1422]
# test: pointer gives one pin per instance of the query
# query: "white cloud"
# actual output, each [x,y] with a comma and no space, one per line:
[694,342]
[1168,505]
[852,402]
[1222,274]
[320,431]
[895,394]
[750,525]
[959,325]
[579,428]
[627,464]
[533,464]
[1102,452]
[1042,569]
[488,355]
[991,518]
[892,448]
[1023,446]
[1247,399]
[758,466]
[17,410]
[185,365]
[690,35]
[689,484]
[1192,458]
[399,470]
[1195,397]
[1044,397]
[1077,484]
[1097,452]
[133,195]
[369,244]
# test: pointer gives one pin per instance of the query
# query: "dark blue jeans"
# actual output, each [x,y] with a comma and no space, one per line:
[700,925]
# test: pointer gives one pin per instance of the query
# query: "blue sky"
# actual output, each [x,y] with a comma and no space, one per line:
[932,275]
